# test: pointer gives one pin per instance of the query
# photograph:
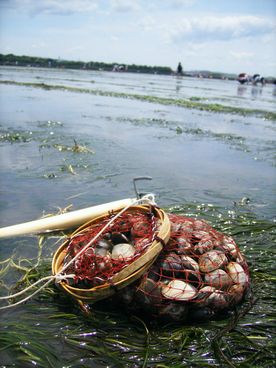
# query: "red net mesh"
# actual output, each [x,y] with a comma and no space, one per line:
[199,273]
[123,241]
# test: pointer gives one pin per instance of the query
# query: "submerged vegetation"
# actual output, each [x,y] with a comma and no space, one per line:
[113,337]
[186,103]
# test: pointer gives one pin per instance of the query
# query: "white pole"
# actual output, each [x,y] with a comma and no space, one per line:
[65,220]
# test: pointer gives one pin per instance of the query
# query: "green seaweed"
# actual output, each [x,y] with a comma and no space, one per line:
[51,331]
[190,104]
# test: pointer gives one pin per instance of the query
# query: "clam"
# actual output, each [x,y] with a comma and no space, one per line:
[187,228]
[201,225]
[118,238]
[104,243]
[183,242]
[189,263]
[152,290]
[154,273]
[237,273]
[228,245]
[102,252]
[203,294]
[140,229]
[241,260]
[217,300]
[218,279]
[204,245]
[192,277]
[235,293]
[175,227]
[173,311]
[179,290]
[102,259]
[212,260]
[122,251]
[199,234]
[171,265]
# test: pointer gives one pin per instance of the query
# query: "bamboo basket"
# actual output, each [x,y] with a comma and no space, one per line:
[125,276]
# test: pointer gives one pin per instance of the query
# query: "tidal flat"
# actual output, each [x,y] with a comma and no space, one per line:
[62,145]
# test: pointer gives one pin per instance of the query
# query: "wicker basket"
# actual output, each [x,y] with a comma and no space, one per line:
[129,273]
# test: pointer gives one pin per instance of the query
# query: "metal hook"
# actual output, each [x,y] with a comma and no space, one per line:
[138,194]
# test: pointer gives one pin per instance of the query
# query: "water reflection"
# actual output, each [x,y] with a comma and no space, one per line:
[256,91]
[178,85]
[241,90]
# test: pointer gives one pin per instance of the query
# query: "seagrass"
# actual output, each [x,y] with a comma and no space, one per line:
[128,274]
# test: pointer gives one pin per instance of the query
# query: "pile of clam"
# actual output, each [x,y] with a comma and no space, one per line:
[117,247]
[199,273]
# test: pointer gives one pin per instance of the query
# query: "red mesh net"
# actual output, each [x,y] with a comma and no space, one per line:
[199,273]
[123,241]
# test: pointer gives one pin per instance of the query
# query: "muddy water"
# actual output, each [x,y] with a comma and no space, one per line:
[220,165]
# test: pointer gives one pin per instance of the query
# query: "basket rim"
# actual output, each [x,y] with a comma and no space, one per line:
[130,271]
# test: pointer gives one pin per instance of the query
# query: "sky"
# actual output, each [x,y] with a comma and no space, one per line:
[228,36]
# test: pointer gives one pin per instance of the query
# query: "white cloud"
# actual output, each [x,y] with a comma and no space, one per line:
[124,5]
[241,55]
[180,3]
[52,6]
[218,28]
[148,23]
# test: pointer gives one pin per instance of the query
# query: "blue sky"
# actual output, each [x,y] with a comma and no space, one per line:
[219,35]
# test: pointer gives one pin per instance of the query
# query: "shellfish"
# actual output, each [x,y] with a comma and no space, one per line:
[218,279]
[212,260]
[237,273]
[178,290]
[122,251]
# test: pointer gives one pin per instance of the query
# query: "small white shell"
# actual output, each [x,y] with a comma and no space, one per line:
[179,290]
[123,250]
[237,273]
[212,260]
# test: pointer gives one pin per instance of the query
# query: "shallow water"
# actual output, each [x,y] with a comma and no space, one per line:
[202,164]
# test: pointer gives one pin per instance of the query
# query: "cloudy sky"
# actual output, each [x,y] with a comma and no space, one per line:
[219,35]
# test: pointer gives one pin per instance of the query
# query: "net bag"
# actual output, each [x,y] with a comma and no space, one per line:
[199,273]
[126,248]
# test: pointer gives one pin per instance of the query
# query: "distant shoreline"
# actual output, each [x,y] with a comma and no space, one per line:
[36,62]
[33,61]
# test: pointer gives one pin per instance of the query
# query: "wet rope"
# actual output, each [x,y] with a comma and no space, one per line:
[146,199]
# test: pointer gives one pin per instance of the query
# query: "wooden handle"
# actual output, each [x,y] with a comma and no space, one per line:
[65,220]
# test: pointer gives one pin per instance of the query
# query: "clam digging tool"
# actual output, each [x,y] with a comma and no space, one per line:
[63,221]
[70,219]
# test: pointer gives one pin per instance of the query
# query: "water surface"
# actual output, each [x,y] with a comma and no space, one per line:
[202,163]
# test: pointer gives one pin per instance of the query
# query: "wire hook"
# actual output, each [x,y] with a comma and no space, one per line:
[139,195]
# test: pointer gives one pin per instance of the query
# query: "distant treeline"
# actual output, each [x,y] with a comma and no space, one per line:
[14,60]
[33,61]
